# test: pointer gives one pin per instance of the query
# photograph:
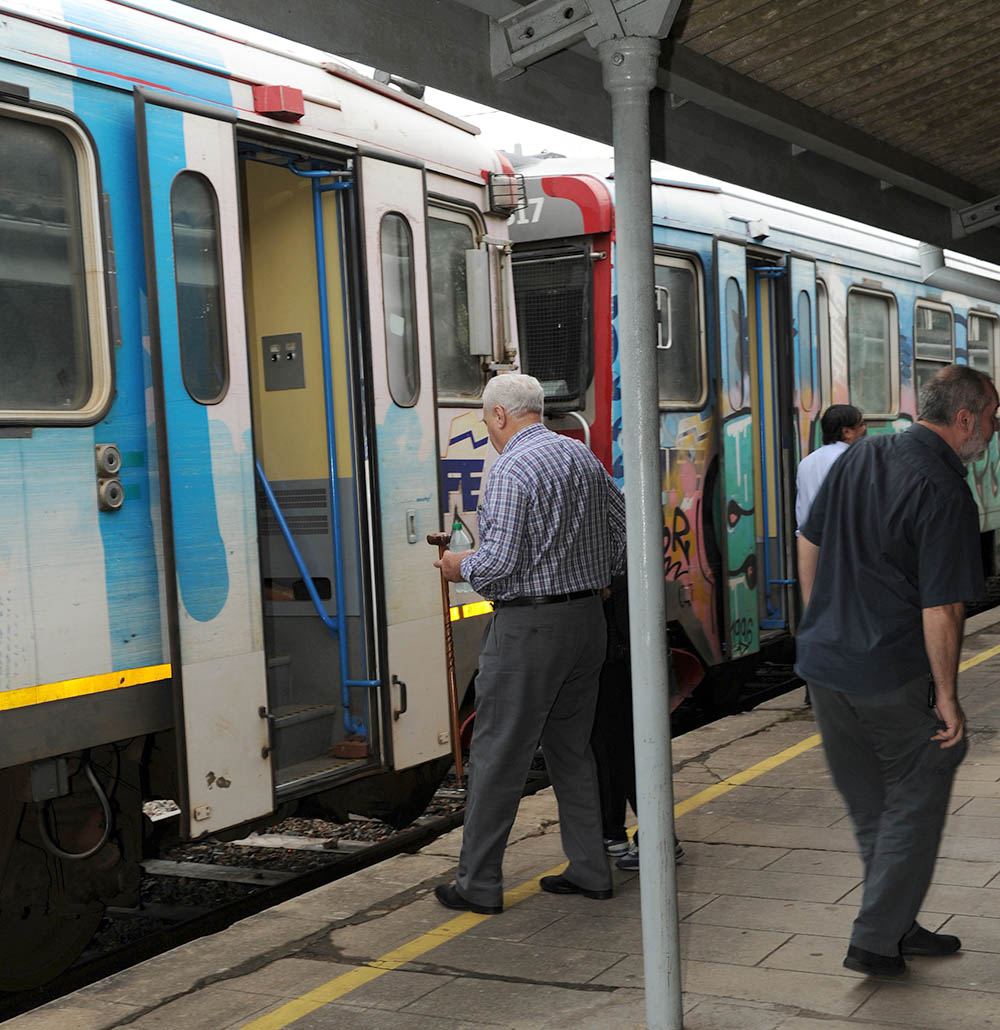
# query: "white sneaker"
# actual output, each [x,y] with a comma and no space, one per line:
[615,847]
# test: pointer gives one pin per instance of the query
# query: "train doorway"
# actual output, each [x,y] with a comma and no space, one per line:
[772,353]
[307,436]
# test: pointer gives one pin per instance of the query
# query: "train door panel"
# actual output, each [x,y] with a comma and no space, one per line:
[402,388]
[802,303]
[736,450]
[772,382]
[201,393]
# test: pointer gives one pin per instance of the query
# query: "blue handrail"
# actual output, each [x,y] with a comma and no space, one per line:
[336,626]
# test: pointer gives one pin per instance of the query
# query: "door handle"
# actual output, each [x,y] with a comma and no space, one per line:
[397,682]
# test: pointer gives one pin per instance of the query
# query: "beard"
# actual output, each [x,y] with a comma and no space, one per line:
[973,448]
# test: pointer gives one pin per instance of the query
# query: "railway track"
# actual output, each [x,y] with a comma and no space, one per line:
[187,897]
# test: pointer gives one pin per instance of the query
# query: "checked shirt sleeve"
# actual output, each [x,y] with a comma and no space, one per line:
[501,528]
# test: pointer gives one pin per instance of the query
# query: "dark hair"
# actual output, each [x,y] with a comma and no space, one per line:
[836,419]
[949,391]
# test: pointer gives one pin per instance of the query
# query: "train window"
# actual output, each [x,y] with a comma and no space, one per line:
[680,337]
[805,341]
[871,351]
[823,337]
[734,344]
[458,373]
[399,309]
[54,343]
[194,217]
[933,340]
[552,290]
[982,340]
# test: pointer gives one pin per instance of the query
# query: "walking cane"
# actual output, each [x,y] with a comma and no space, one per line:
[442,540]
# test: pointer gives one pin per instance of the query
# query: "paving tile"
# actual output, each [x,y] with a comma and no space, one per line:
[822,863]
[981,806]
[396,989]
[978,933]
[822,797]
[753,883]
[517,923]
[713,1014]
[549,964]
[968,849]
[810,1023]
[211,1008]
[698,826]
[978,788]
[914,1005]
[731,856]
[623,1009]
[809,953]
[74,1013]
[784,916]
[287,978]
[594,930]
[835,995]
[968,874]
[338,1016]
[511,1004]
[967,901]
[741,831]
[736,806]
[973,826]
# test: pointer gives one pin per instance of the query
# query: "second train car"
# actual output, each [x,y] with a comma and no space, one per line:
[766,313]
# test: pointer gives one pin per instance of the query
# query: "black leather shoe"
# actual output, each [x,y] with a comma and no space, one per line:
[873,964]
[449,896]
[560,885]
[918,941]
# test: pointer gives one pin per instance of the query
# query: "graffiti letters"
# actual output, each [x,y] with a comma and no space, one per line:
[677,539]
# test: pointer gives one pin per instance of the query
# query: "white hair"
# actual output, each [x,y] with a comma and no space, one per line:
[517,394]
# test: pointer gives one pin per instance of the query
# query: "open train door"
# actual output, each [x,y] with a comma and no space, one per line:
[402,390]
[197,338]
[741,630]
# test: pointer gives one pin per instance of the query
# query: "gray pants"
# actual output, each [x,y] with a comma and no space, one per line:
[538,677]
[896,782]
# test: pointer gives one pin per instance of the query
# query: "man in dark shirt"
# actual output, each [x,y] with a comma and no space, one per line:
[887,559]
[552,534]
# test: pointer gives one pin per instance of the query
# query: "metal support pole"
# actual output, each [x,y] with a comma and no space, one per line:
[629,66]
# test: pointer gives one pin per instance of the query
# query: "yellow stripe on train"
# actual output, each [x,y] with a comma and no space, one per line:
[466,611]
[84,685]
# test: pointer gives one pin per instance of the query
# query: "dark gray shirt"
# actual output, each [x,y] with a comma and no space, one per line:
[898,532]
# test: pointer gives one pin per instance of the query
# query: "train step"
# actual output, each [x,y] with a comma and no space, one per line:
[304,731]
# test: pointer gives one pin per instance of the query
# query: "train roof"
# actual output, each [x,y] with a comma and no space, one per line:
[688,200]
[214,60]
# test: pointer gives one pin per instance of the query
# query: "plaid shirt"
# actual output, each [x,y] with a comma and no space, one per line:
[551,520]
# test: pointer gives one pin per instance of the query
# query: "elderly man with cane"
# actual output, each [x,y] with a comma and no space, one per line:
[552,534]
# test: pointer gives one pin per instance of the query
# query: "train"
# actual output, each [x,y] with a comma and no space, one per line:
[766,313]
[249,299]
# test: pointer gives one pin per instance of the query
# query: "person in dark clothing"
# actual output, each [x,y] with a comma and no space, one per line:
[887,559]
[611,739]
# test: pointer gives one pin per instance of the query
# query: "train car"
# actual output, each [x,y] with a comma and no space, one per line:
[248,303]
[766,313]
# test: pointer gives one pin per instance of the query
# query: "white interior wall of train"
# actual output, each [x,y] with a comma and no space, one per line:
[852,322]
[169,240]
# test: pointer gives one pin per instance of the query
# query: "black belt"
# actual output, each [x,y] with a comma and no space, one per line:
[547,598]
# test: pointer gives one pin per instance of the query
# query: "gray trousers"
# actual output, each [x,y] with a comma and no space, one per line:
[896,782]
[538,677]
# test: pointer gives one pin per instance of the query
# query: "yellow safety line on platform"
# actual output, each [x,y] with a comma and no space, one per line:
[978,659]
[347,982]
[83,685]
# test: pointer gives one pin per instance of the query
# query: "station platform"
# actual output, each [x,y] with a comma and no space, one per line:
[767,892]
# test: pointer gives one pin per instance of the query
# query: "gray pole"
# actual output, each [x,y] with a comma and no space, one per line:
[629,66]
